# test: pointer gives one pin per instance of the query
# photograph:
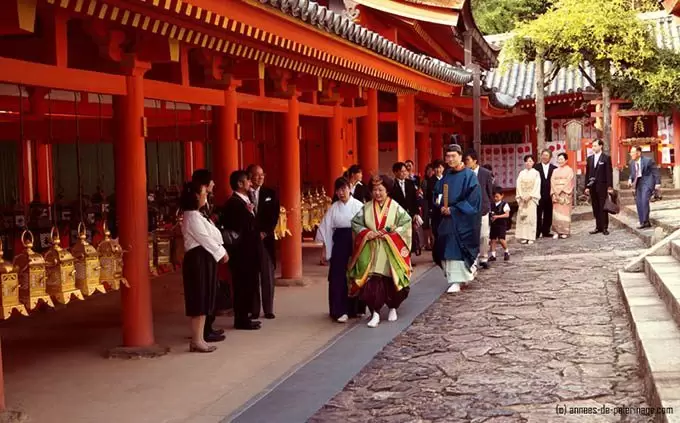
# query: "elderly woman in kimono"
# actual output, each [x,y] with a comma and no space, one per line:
[528,195]
[335,232]
[380,268]
[562,193]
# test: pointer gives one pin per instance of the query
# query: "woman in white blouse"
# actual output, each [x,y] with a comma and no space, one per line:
[335,232]
[204,250]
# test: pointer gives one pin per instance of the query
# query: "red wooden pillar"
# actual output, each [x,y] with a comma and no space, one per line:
[424,150]
[291,246]
[437,146]
[188,160]
[225,144]
[26,182]
[198,154]
[406,127]
[368,147]
[130,168]
[334,148]
[45,183]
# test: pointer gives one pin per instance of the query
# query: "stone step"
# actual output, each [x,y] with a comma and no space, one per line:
[630,223]
[675,249]
[668,192]
[664,274]
[657,338]
[627,201]
[631,211]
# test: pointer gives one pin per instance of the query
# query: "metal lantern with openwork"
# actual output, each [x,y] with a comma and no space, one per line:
[32,275]
[317,210]
[162,249]
[150,248]
[9,288]
[111,261]
[328,201]
[61,271]
[306,214]
[178,241]
[87,265]
[281,230]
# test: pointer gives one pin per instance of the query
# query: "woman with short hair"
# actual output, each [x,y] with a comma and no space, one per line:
[528,196]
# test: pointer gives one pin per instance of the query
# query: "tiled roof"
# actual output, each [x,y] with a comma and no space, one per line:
[519,80]
[335,23]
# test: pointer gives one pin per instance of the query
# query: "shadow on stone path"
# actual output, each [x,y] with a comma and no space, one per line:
[529,335]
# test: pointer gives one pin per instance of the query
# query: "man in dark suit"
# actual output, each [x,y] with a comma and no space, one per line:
[267,206]
[435,212]
[544,213]
[354,175]
[644,179]
[404,190]
[485,179]
[405,193]
[599,185]
[238,219]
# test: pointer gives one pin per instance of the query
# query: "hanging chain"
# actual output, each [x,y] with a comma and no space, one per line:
[78,166]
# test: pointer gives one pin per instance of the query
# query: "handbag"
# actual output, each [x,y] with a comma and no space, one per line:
[611,203]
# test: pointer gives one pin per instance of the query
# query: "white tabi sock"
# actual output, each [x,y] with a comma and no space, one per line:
[375,319]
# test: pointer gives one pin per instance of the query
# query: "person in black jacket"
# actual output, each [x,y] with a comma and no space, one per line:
[405,193]
[544,214]
[486,184]
[599,185]
[238,220]
[267,206]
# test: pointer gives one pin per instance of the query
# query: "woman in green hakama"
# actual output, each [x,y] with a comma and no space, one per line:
[380,268]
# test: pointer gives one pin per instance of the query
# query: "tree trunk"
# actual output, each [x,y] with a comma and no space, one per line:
[540,104]
[606,117]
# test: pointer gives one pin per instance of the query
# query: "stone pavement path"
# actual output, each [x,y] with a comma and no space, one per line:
[547,328]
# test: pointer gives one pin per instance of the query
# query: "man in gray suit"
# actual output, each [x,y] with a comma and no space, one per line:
[486,184]
[644,179]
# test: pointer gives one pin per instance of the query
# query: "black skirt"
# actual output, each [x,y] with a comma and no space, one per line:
[199,272]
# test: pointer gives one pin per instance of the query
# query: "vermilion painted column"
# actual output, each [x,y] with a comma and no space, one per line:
[424,150]
[43,162]
[188,160]
[130,168]
[676,149]
[368,147]
[225,143]
[614,144]
[26,181]
[199,154]
[291,246]
[437,146]
[406,127]
[334,148]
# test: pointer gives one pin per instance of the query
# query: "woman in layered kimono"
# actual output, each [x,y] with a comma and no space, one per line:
[562,193]
[335,232]
[380,268]
[528,195]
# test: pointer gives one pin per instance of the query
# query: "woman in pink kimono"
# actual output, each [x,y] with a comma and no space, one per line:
[562,193]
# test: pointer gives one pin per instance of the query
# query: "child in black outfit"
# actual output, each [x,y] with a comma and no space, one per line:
[500,215]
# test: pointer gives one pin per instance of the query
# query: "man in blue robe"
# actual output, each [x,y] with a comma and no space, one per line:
[459,197]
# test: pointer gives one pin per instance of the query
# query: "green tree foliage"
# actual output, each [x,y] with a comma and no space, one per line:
[654,87]
[500,16]
[607,34]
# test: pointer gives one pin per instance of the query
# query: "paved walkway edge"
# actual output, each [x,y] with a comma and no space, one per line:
[298,395]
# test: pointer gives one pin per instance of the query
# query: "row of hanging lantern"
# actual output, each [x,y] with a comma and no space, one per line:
[60,275]
[314,207]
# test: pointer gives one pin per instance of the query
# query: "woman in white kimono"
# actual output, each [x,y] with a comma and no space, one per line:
[528,195]
[335,232]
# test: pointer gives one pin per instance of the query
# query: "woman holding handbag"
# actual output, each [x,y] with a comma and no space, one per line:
[203,251]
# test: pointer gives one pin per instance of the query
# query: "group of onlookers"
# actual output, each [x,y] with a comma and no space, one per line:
[240,233]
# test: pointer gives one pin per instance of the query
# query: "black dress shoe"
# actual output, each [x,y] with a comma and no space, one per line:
[645,226]
[254,316]
[483,265]
[214,338]
[247,326]
[596,231]
[605,232]
[217,332]
[269,316]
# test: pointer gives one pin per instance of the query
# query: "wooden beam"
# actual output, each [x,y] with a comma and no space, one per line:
[388,117]
[18,17]
[172,92]
[28,73]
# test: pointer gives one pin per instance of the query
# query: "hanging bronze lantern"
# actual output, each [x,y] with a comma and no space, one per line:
[111,260]
[87,264]
[306,214]
[150,247]
[281,230]
[178,241]
[9,288]
[162,252]
[32,275]
[61,271]
[316,210]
